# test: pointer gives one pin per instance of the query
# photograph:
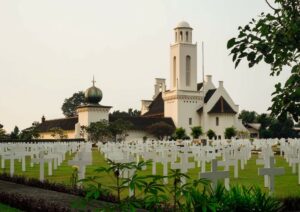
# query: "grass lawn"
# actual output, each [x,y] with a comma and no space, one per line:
[6,208]
[286,185]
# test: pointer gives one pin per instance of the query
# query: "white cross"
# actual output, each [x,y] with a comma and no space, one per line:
[41,160]
[184,165]
[271,172]
[214,175]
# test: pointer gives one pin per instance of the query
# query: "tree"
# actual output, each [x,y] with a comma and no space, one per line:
[30,133]
[180,133]
[98,131]
[123,114]
[248,116]
[2,132]
[119,128]
[161,130]
[230,132]
[196,132]
[211,134]
[15,134]
[275,39]
[70,104]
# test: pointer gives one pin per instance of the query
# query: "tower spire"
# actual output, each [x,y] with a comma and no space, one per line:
[93,81]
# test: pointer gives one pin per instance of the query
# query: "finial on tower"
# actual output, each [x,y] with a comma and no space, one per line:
[93,81]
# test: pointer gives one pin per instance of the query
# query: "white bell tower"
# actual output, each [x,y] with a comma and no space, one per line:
[183,70]
[182,100]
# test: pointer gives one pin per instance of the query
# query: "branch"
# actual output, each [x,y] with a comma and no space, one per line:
[270,5]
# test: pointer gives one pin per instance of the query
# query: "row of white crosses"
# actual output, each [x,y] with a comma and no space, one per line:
[38,152]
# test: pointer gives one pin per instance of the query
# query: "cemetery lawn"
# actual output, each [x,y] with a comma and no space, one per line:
[285,185]
[7,208]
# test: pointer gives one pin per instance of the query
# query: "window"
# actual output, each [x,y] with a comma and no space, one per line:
[217,121]
[188,70]
[190,121]
[180,37]
[186,36]
[175,36]
[174,71]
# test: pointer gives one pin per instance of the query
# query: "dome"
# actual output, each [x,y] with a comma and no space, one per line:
[183,24]
[93,95]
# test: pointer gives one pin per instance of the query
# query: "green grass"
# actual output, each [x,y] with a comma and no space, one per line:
[286,185]
[6,208]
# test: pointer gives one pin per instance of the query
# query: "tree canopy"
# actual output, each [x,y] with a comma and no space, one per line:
[275,39]
[123,114]
[70,104]
[161,130]
[248,116]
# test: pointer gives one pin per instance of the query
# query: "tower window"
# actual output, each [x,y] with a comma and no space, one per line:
[188,70]
[217,121]
[174,71]
[175,36]
[186,36]
[180,37]
[190,121]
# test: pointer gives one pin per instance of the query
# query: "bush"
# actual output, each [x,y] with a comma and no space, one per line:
[230,132]
[196,132]
[211,134]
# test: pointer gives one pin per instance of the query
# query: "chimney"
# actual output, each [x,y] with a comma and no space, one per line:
[43,119]
[220,83]
[208,78]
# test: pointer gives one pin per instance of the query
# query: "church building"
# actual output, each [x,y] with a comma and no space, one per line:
[187,102]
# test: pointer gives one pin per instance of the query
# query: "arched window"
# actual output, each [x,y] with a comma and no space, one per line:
[186,36]
[188,70]
[180,37]
[174,71]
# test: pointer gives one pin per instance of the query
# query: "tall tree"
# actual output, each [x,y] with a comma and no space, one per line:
[15,133]
[70,104]
[275,39]
[248,116]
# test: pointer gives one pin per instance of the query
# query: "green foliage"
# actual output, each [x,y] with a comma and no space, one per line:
[118,129]
[196,132]
[30,133]
[161,130]
[230,132]
[70,104]
[123,114]
[15,133]
[98,131]
[2,132]
[248,116]
[211,134]
[104,130]
[275,39]
[180,133]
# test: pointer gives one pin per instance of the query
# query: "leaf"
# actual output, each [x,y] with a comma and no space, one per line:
[237,63]
[231,43]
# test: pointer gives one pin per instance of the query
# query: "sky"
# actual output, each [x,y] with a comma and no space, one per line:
[50,49]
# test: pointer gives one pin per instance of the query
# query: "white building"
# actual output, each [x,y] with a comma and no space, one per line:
[187,102]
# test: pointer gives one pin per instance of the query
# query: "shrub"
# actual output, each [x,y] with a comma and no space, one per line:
[230,132]
[196,132]
[211,134]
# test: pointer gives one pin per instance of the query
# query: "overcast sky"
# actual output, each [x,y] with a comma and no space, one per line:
[51,49]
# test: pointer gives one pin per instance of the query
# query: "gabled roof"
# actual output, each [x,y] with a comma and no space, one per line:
[255,126]
[222,106]
[64,124]
[209,94]
[156,108]
[141,123]
[199,86]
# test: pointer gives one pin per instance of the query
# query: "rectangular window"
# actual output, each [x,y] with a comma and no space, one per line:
[190,121]
[217,121]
